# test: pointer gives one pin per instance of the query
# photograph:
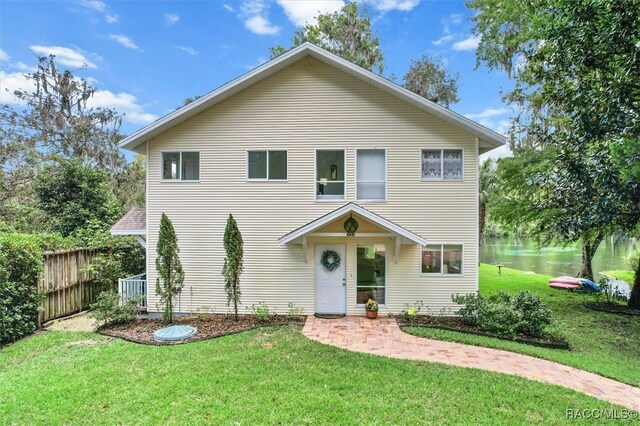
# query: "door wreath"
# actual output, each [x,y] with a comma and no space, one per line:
[330,260]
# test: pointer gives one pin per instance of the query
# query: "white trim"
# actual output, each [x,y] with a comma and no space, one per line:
[493,139]
[442,274]
[386,274]
[477,259]
[351,208]
[268,179]
[359,235]
[441,178]
[162,153]
[128,232]
[315,176]
[386,176]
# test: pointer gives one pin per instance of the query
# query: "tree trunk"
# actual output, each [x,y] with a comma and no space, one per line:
[634,298]
[482,221]
[589,247]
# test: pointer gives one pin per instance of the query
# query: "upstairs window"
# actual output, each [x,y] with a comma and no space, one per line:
[442,164]
[267,165]
[181,166]
[371,174]
[330,174]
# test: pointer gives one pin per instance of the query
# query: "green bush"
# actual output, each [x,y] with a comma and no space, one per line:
[506,314]
[109,310]
[20,264]
[294,312]
[262,312]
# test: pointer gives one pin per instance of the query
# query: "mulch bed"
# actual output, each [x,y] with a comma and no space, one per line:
[612,308]
[457,324]
[209,326]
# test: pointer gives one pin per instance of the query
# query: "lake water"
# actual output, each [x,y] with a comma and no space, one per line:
[522,254]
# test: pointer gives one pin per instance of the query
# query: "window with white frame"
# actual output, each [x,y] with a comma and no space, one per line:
[182,165]
[330,174]
[267,165]
[444,259]
[371,166]
[442,164]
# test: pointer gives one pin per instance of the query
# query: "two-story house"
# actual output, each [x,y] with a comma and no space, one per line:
[345,187]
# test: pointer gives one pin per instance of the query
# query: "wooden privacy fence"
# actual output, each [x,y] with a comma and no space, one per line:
[65,287]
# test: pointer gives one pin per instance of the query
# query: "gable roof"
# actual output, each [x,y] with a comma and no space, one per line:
[488,138]
[351,208]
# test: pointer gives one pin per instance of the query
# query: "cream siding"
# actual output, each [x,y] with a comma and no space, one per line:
[304,107]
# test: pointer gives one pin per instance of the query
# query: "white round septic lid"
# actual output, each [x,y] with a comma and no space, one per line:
[175,332]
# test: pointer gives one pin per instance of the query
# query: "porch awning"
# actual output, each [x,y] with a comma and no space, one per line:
[403,236]
[134,222]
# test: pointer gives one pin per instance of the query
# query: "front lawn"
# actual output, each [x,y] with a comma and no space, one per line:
[272,376]
[602,343]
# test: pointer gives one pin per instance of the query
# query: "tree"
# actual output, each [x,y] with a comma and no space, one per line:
[428,78]
[171,276]
[576,70]
[131,188]
[563,205]
[346,33]
[487,187]
[56,122]
[233,263]
[73,194]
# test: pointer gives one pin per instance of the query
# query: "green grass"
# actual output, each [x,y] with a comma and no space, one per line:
[603,343]
[627,276]
[267,376]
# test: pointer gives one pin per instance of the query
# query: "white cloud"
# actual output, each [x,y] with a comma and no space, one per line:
[123,103]
[9,83]
[254,15]
[4,56]
[388,5]
[261,25]
[469,43]
[112,19]
[444,39]
[21,66]
[190,50]
[64,56]
[229,8]
[171,18]
[98,5]
[124,41]
[302,12]
[495,119]
[456,18]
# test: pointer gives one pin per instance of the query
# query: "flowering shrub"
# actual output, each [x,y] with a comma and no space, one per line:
[371,305]
[410,312]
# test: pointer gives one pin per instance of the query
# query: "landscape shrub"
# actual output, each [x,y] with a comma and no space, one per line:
[262,312]
[108,309]
[294,312]
[506,314]
[20,264]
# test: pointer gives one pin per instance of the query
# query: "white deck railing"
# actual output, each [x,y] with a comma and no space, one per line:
[135,286]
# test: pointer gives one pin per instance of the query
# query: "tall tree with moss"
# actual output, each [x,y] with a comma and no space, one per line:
[170,274]
[576,70]
[346,33]
[428,78]
[233,263]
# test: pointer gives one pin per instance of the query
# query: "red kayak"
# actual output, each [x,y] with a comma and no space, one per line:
[564,283]
[563,286]
[565,280]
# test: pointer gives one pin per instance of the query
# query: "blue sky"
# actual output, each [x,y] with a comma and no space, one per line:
[146,57]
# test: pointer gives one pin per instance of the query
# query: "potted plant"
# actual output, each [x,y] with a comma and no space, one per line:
[371,309]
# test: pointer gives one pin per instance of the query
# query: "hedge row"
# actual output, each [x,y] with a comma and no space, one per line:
[20,264]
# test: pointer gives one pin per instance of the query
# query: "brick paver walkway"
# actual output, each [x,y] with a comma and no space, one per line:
[384,337]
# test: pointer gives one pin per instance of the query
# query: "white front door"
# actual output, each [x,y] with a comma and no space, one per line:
[331,290]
